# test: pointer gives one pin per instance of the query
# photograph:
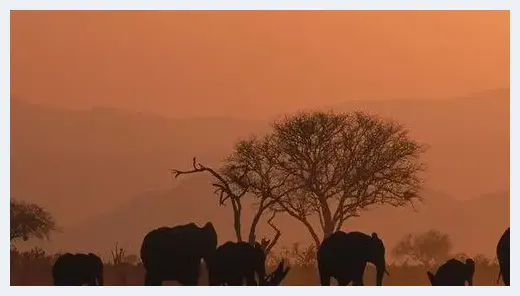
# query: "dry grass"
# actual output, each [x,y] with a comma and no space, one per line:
[34,269]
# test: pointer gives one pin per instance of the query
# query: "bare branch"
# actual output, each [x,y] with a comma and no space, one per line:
[278,233]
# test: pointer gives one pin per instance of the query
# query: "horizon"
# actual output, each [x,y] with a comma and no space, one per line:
[469,96]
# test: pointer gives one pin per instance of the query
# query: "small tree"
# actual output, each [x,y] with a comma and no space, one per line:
[428,249]
[30,220]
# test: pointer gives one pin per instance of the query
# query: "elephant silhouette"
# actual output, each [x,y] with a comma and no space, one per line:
[233,262]
[276,277]
[453,273]
[344,256]
[78,270]
[503,257]
[175,253]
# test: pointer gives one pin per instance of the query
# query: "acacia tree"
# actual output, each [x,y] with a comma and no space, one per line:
[30,220]
[342,164]
[321,164]
[427,248]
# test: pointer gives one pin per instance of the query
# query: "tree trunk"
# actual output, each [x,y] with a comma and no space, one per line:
[254,223]
[328,224]
[237,209]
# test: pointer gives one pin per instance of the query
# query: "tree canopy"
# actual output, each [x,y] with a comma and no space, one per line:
[30,220]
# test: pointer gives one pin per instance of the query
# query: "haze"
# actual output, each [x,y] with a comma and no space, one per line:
[253,64]
[445,74]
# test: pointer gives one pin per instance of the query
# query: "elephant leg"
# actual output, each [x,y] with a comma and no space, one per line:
[358,280]
[250,279]
[324,279]
[190,277]
[343,281]
[59,282]
[151,279]
[358,272]
[505,276]
[92,281]
[235,281]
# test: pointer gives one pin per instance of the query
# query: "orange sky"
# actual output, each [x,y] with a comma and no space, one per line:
[249,64]
[253,63]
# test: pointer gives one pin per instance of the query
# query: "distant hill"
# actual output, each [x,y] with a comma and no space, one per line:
[81,164]
[193,200]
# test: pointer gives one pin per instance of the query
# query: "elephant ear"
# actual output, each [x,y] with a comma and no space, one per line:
[470,263]
[212,236]
[209,225]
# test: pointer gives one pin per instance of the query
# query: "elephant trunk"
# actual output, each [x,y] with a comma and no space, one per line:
[261,275]
[380,273]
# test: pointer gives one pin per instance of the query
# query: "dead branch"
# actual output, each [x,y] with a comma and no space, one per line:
[222,188]
[269,244]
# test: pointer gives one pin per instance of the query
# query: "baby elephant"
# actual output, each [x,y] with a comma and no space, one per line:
[453,273]
[77,270]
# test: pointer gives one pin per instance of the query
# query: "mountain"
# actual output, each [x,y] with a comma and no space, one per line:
[80,163]
[193,201]
[84,164]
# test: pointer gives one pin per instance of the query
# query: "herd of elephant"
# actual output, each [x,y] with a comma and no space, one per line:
[175,254]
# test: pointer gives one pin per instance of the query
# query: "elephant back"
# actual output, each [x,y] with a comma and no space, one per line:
[503,245]
[80,267]
[449,267]
[454,272]
[359,243]
[183,242]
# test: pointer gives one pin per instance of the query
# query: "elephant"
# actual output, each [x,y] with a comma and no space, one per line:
[503,257]
[175,253]
[233,262]
[453,273]
[78,270]
[277,276]
[344,256]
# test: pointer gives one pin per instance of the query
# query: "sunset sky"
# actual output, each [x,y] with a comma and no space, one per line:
[253,64]
[100,168]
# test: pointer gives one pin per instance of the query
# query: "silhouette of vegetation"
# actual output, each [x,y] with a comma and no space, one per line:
[33,268]
[428,248]
[30,220]
[321,164]
[245,172]
[299,255]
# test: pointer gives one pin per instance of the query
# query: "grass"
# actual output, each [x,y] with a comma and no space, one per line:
[33,268]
